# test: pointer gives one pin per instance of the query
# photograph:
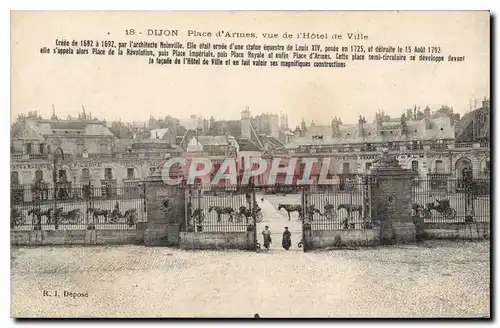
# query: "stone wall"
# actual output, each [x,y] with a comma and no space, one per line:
[76,237]
[343,238]
[466,231]
[216,240]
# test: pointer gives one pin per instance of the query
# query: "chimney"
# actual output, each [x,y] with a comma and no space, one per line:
[427,118]
[404,127]
[245,123]
[303,128]
[486,104]
[378,121]
[427,112]
[361,129]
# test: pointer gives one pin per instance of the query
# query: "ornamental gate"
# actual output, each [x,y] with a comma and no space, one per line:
[336,216]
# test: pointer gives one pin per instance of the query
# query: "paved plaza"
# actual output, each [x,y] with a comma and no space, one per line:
[437,279]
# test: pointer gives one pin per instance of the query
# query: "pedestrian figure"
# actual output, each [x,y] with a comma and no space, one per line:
[267,237]
[256,316]
[287,241]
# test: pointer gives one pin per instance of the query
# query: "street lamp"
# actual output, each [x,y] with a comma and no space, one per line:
[54,177]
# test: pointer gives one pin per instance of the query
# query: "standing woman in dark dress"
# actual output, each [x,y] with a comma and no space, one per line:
[287,240]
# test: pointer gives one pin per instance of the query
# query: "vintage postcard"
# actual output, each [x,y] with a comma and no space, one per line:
[250,164]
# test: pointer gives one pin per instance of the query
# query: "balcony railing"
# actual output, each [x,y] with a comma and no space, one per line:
[439,146]
[20,157]
[463,145]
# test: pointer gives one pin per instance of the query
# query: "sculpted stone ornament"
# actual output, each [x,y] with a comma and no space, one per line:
[166,206]
[386,160]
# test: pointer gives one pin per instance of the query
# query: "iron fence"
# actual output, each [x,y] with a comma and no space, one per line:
[451,200]
[212,208]
[77,207]
[332,208]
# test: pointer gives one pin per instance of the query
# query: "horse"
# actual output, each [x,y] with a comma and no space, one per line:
[198,215]
[311,209]
[350,208]
[38,213]
[222,210]
[330,212]
[247,212]
[291,208]
[244,212]
[73,216]
[130,216]
[96,212]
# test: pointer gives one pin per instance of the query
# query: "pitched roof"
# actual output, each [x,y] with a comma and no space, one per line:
[50,127]
[213,140]
[247,145]
[272,141]
[29,134]
[159,133]
[438,128]
[462,125]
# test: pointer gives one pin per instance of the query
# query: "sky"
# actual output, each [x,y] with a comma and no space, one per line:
[130,89]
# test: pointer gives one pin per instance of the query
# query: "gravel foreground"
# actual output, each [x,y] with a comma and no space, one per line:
[438,279]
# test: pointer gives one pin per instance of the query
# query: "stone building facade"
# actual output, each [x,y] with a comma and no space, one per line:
[434,145]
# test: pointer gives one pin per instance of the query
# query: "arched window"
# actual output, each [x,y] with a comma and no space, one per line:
[85,174]
[63,177]
[461,165]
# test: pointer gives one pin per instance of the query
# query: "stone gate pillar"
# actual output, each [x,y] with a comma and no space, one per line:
[165,212]
[391,200]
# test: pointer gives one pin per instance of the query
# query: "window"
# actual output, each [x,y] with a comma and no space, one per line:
[85,174]
[38,175]
[130,173]
[28,148]
[108,174]
[414,166]
[439,166]
[345,168]
[487,167]
[369,147]
[12,149]
[62,176]
[368,165]
[14,178]
[152,170]
[416,145]
[41,148]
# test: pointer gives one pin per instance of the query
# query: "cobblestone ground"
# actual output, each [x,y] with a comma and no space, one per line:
[433,280]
